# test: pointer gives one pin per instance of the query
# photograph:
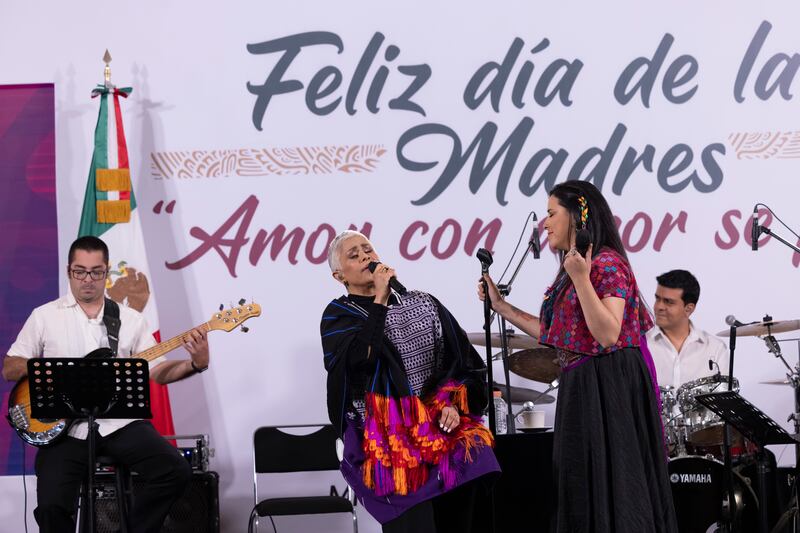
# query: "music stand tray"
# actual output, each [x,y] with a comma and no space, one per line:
[751,421]
[89,388]
[70,387]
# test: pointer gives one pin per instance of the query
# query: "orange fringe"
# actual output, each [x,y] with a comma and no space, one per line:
[409,470]
[113,179]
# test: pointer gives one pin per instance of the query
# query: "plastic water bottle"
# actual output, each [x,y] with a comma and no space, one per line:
[500,413]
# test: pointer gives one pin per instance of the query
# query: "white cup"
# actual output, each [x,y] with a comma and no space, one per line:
[530,419]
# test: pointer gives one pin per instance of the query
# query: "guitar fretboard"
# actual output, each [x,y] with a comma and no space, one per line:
[167,346]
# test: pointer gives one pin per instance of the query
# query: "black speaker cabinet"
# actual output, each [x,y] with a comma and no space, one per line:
[197,511]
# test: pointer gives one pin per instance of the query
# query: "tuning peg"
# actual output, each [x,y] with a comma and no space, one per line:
[245,329]
[242,301]
[221,307]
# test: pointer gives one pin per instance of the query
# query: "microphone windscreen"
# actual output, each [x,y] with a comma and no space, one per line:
[372,266]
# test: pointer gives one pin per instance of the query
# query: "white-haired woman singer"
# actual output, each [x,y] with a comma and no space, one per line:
[406,391]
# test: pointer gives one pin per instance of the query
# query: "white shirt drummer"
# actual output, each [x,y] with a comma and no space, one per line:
[681,351]
[674,368]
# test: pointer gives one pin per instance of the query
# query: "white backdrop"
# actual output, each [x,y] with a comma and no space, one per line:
[709,151]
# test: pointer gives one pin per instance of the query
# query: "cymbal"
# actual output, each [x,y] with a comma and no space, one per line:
[759,329]
[783,381]
[538,364]
[516,341]
[522,394]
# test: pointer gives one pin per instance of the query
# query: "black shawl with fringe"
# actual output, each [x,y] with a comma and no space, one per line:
[357,355]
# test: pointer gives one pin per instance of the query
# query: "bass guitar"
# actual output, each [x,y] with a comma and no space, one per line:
[38,432]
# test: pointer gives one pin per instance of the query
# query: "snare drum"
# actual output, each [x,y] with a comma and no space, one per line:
[704,427]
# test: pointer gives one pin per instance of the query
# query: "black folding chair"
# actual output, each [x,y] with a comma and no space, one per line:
[275,451]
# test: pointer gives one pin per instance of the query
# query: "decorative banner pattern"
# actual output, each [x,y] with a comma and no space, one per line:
[780,145]
[266,161]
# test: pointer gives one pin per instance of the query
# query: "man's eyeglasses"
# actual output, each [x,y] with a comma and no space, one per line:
[96,275]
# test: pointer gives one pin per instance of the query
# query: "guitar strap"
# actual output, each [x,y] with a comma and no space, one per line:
[113,323]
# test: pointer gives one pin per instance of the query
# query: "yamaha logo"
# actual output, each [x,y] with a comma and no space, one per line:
[691,478]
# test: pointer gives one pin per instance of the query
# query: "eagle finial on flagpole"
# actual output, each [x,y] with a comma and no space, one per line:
[107,69]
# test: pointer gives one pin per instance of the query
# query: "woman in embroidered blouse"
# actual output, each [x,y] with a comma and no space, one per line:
[611,467]
[406,391]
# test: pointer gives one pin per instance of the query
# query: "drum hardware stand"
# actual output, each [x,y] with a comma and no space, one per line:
[773,345]
[504,331]
[531,405]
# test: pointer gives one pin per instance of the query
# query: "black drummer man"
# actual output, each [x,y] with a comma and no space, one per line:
[681,351]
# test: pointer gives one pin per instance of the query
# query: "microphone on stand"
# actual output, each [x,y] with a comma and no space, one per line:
[534,240]
[755,229]
[731,321]
[393,283]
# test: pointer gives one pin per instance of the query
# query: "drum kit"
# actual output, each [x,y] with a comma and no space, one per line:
[694,437]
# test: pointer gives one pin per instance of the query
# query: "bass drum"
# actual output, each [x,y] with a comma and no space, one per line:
[697,490]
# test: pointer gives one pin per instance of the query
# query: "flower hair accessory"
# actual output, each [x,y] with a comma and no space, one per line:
[584,208]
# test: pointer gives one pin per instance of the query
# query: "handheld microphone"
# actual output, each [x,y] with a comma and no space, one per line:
[534,241]
[393,283]
[486,259]
[755,230]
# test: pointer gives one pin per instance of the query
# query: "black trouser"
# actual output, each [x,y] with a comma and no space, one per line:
[61,468]
[452,512]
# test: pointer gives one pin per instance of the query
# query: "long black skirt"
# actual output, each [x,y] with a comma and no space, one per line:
[609,455]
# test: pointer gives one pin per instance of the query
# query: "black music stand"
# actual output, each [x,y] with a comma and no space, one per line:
[748,419]
[755,426]
[79,388]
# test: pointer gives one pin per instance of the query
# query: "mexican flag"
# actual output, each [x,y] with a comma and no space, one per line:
[109,212]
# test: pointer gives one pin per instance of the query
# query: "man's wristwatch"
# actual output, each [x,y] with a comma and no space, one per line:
[197,368]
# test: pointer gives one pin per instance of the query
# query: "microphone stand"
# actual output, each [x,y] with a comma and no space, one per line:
[486,259]
[504,290]
[764,229]
[795,379]
[487,311]
[729,500]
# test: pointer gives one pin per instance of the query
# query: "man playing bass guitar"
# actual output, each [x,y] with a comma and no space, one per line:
[73,326]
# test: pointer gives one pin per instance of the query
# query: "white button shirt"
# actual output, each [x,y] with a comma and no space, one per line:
[61,329]
[676,368]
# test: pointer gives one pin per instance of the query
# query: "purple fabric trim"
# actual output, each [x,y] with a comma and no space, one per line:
[577,363]
[386,508]
[651,366]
